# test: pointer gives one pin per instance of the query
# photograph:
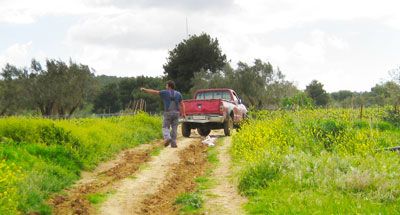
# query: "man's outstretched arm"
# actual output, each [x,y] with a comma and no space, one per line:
[150,91]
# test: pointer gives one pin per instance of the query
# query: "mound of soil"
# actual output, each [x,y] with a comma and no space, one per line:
[193,163]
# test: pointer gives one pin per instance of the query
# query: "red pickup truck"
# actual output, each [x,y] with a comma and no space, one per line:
[213,109]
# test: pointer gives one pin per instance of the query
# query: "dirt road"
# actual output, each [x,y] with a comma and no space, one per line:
[153,190]
[143,184]
[223,198]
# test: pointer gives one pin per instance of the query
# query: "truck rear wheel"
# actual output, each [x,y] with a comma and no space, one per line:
[186,130]
[228,126]
[204,131]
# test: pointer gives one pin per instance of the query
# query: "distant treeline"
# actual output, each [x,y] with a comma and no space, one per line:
[65,89]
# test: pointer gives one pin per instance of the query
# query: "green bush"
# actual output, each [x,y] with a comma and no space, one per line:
[393,117]
[359,124]
[189,201]
[257,177]
[383,126]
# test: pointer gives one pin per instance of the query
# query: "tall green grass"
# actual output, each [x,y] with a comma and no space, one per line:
[319,162]
[50,154]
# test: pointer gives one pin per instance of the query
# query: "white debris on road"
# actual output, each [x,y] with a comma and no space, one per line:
[209,141]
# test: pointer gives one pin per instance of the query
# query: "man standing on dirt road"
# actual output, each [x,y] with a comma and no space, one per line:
[172,99]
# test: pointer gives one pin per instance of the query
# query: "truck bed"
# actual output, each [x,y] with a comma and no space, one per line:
[202,107]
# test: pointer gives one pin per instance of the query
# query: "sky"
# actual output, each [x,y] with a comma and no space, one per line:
[344,44]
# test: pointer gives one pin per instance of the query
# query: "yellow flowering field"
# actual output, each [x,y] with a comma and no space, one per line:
[324,161]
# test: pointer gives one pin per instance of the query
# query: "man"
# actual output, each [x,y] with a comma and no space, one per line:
[172,99]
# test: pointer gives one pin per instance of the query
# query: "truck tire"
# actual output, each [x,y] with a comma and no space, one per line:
[228,126]
[186,130]
[204,131]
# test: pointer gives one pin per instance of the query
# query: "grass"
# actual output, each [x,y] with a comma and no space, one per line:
[318,162]
[50,154]
[190,202]
[156,151]
[97,198]
[212,154]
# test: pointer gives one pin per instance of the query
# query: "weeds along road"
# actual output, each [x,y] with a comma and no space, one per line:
[148,179]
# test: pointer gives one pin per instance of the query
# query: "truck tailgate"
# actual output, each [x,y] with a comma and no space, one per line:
[200,107]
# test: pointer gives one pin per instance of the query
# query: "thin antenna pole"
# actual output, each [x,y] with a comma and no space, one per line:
[187,28]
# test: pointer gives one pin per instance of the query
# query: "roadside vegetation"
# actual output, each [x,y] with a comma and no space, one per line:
[39,157]
[319,161]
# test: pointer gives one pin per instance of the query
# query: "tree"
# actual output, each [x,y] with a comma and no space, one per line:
[315,90]
[259,85]
[191,56]
[341,95]
[124,92]
[62,88]
[108,100]
[13,93]
[299,100]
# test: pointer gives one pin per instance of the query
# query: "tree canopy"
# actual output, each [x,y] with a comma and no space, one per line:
[259,85]
[190,57]
[315,90]
[60,89]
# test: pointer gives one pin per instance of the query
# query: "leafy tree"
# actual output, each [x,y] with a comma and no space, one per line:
[108,100]
[259,85]
[13,93]
[299,100]
[190,57]
[62,88]
[342,95]
[123,93]
[315,90]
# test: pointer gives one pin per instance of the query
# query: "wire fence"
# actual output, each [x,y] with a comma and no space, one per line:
[134,108]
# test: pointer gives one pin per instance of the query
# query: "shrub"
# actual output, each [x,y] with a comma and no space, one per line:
[393,117]
[257,177]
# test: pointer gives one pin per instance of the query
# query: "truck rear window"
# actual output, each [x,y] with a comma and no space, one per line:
[213,95]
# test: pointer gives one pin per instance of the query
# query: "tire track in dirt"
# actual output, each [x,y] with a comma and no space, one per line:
[154,189]
[126,163]
[223,198]
[193,163]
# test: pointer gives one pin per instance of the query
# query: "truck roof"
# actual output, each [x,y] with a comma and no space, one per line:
[213,89]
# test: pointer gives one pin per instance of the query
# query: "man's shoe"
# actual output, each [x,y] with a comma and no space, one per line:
[174,146]
[167,142]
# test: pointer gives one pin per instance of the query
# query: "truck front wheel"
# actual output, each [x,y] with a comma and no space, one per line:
[204,131]
[186,130]
[228,126]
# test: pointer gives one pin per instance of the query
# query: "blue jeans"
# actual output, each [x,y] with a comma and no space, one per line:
[170,120]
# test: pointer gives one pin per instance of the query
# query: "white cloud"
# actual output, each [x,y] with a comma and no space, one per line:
[190,5]
[153,29]
[122,62]
[16,54]
[26,11]
[122,37]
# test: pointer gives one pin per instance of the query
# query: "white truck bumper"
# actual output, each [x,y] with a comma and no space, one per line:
[203,119]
